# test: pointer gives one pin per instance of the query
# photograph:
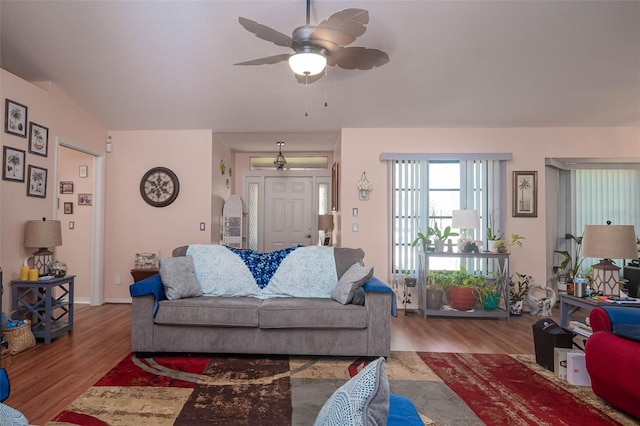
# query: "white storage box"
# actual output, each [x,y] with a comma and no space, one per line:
[560,361]
[577,370]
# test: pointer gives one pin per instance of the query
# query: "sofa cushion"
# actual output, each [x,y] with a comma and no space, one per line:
[213,311]
[363,400]
[178,278]
[358,297]
[306,272]
[354,278]
[303,312]
[345,257]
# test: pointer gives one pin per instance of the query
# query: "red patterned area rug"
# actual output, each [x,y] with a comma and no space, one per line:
[514,390]
[447,389]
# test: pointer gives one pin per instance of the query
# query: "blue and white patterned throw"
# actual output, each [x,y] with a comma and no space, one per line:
[262,265]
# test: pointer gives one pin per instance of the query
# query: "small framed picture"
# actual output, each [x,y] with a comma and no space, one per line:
[525,194]
[38,139]
[84,171]
[66,187]
[85,199]
[13,160]
[68,208]
[15,118]
[37,186]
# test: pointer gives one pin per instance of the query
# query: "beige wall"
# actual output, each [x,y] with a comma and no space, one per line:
[133,226]
[361,148]
[49,107]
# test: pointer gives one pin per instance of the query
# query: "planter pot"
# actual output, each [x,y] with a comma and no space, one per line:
[439,245]
[434,299]
[516,307]
[491,302]
[462,298]
[493,246]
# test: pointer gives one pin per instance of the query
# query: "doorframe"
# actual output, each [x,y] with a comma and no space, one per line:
[258,177]
[96,296]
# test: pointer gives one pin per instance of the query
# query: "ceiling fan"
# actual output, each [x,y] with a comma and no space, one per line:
[315,47]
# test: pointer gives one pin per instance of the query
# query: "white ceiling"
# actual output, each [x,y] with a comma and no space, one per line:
[139,65]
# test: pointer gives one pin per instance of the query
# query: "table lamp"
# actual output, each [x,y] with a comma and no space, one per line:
[42,234]
[608,242]
[464,220]
[325,223]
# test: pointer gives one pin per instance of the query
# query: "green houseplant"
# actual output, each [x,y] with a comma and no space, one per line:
[441,235]
[570,262]
[437,282]
[517,290]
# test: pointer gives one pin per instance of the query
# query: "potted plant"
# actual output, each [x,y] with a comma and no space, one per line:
[422,238]
[517,290]
[493,236]
[437,282]
[462,292]
[505,246]
[488,294]
[441,236]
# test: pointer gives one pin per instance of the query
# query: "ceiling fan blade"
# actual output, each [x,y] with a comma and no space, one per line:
[308,80]
[267,60]
[357,58]
[342,28]
[265,33]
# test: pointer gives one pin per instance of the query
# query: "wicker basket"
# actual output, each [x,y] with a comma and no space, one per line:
[18,338]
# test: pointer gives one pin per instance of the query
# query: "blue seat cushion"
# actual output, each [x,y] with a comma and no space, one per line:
[402,412]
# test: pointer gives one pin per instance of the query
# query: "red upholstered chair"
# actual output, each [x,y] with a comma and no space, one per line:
[612,355]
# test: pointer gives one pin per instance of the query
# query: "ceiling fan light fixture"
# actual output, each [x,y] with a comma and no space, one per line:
[307,63]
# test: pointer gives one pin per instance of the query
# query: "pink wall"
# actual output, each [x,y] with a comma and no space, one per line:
[132,226]
[76,248]
[529,146]
[49,107]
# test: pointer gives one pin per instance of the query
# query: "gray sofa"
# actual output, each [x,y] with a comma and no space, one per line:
[280,325]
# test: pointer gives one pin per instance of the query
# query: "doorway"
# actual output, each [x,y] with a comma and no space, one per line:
[79,208]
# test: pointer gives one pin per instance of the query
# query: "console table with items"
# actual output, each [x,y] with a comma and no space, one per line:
[500,264]
[577,303]
[50,302]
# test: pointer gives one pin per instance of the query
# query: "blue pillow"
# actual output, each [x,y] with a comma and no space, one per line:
[363,400]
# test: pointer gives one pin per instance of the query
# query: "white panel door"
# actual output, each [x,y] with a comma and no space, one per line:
[288,212]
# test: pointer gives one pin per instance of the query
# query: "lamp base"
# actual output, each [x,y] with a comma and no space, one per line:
[606,278]
[42,260]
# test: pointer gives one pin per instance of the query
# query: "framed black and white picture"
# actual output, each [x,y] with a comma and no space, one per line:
[38,139]
[15,118]
[37,184]
[85,199]
[68,208]
[525,194]
[83,171]
[13,164]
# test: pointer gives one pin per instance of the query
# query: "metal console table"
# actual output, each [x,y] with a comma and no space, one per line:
[50,302]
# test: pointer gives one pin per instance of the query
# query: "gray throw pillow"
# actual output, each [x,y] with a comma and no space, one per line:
[363,400]
[355,277]
[178,278]
[358,297]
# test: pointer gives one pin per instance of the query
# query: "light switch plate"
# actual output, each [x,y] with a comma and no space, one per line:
[202,226]
[354,212]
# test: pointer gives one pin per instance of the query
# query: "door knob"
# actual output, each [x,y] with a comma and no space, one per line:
[307,236]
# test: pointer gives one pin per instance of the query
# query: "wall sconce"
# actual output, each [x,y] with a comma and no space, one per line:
[608,242]
[364,187]
[43,234]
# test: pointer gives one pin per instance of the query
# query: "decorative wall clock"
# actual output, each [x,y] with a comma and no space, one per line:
[159,187]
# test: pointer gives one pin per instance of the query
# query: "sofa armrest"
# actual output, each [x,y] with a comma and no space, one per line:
[605,318]
[378,305]
[142,309]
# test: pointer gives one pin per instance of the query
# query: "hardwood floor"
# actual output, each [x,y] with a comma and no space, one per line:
[46,379]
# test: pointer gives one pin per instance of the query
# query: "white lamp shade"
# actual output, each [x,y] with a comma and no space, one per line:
[42,233]
[609,242]
[464,219]
[307,63]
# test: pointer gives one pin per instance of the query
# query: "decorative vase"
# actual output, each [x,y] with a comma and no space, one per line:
[516,307]
[493,246]
[439,245]
[434,299]
[491,302]
[462,298]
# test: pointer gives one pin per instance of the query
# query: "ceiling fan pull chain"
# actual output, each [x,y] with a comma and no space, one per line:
[306,95]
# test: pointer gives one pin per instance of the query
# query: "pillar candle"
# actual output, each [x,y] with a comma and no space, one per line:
[24,273]
[33,275]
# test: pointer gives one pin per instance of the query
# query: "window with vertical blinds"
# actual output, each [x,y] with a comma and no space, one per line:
[425,193]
